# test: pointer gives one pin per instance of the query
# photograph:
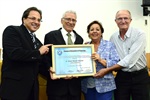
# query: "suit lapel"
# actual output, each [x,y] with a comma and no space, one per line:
[60,40]
[59,37]
[27,36]
[77,40]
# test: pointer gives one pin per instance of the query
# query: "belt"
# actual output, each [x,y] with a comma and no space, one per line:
[137,72]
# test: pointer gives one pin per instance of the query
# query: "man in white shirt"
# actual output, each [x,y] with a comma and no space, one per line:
[132,76]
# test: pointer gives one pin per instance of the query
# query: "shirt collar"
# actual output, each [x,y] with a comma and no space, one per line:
[128,33]
[64,32]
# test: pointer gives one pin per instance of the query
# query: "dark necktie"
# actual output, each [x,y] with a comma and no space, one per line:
[69,39]
[33,40]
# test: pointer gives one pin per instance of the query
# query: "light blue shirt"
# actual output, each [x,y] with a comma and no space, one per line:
[107,51]
[131,50]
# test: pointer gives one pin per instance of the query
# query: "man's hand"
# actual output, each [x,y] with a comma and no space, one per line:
[68,77]
[44,49]
[101,73]
[51,72]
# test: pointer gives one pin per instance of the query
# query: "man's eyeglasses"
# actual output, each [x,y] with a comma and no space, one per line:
[69,20]
[121,19]
[34,19]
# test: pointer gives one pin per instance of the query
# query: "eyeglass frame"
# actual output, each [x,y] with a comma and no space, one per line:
[34,19]
[122,18]
[70,19]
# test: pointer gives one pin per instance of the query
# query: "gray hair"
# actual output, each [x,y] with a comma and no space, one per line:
[126,11]
[69,11]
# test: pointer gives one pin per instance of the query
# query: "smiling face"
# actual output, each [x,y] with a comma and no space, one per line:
[33,21]
[95,32]
[69,21]
[123,20]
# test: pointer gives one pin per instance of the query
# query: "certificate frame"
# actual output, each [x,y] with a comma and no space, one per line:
[73,60]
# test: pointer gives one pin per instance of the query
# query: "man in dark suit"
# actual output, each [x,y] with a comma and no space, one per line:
[67,88]
[22,54]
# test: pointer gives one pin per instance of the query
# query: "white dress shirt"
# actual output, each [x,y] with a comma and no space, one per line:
[64,34]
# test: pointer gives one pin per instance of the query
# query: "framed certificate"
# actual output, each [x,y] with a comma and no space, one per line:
[73,60]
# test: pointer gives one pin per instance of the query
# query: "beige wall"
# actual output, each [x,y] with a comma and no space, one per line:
[87,11]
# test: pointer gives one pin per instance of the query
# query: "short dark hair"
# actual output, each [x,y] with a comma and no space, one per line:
[95,22]
[27,11]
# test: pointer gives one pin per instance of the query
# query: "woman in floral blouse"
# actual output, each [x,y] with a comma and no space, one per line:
[97,87]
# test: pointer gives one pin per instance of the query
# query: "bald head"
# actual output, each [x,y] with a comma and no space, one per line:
[126,12]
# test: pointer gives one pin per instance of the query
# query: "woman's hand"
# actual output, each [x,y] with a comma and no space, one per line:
[95,56]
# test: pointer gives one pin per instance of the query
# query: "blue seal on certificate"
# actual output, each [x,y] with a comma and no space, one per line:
[59,52]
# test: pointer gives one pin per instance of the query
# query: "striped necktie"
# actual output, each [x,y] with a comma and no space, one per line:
[33,40]
[69,39]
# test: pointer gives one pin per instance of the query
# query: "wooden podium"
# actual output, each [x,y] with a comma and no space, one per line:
[42,87]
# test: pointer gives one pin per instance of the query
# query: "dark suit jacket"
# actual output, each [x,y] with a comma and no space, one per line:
[20,64]
[61,86]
